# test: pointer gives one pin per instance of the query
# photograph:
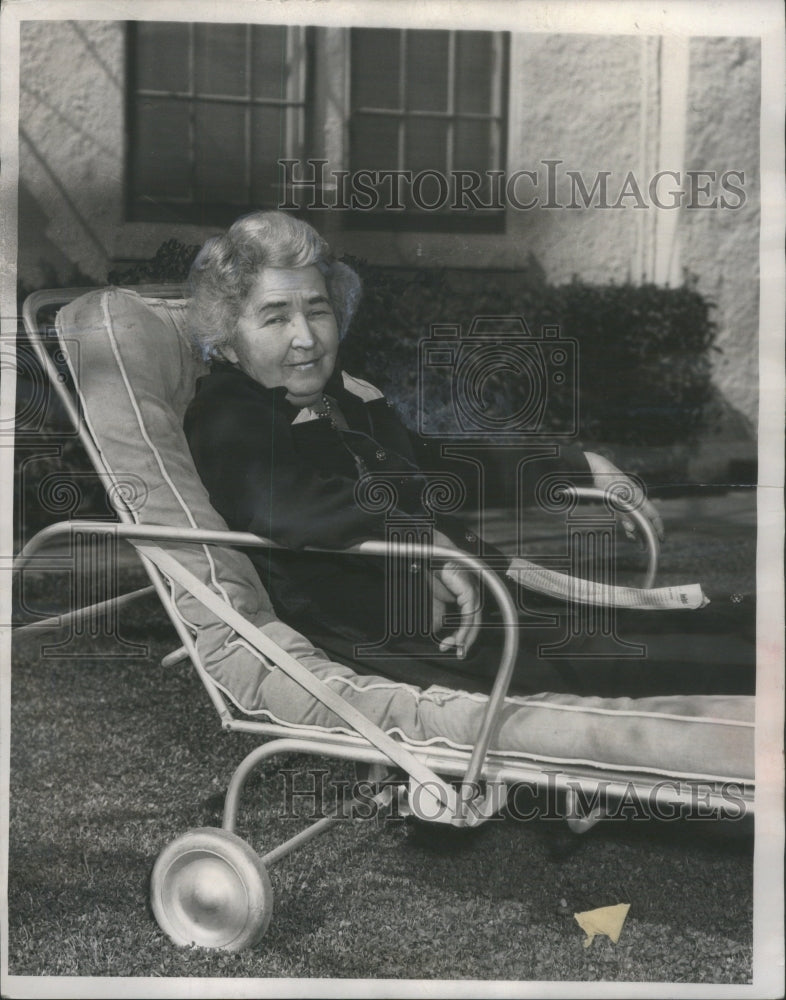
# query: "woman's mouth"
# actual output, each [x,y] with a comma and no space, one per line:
[304,366]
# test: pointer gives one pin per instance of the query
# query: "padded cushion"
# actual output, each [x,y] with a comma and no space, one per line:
[701,736]
[136,375]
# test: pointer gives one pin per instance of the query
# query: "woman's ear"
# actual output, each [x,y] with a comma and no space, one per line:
[228,354]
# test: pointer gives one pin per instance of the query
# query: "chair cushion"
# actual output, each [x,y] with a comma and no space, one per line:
[136,374]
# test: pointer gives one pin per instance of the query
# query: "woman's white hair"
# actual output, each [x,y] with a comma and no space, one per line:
[227,266]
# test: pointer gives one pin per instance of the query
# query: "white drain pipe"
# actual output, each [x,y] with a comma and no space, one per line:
[674,73]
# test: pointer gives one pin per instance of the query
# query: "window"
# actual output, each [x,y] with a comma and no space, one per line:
[211,110]
[429,102]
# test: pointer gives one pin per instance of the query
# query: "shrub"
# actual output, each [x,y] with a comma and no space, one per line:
[171,263]
[643,351]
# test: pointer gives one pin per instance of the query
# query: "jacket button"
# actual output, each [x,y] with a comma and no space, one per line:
[381,455]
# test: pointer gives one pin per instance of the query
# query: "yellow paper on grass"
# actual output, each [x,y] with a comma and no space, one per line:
[606,920]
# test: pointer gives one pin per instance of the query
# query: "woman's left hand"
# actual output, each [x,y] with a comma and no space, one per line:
[606,475]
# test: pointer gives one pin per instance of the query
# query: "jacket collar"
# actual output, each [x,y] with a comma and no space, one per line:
[334,386]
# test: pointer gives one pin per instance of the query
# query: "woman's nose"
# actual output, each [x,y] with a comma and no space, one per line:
[301,332]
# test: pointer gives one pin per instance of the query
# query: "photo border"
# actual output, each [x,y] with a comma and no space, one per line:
[760,18]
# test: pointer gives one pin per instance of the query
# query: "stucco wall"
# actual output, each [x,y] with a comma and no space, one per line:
[71,148]
[721,248]
[578,99]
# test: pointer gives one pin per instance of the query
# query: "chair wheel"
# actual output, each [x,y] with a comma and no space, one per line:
[209,888]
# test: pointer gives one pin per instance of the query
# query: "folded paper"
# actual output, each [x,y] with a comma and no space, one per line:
[606,920]
[685,597]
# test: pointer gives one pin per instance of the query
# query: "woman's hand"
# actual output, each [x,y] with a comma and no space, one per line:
[452,585]
[606,475]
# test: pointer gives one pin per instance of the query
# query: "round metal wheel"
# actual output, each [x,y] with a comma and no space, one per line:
[209,888]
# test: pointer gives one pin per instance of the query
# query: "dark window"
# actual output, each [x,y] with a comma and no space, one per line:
[211,110]
[430,101]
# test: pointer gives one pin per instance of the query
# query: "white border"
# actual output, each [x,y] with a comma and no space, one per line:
[762,18]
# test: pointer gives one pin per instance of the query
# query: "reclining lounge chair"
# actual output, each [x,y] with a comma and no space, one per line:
[133,375]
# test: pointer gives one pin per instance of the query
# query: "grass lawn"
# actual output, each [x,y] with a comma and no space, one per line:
[113,756]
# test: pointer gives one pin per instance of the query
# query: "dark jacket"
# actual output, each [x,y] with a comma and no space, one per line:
[295,483]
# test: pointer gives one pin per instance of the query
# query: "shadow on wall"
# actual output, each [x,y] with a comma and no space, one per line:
[41,263]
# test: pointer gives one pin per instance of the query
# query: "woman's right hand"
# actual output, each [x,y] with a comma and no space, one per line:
[452,585]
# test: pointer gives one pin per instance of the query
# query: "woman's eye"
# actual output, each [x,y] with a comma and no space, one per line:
[274,320]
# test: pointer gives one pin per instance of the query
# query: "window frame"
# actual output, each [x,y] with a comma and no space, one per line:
[300,126]
[326,60]
[467,220]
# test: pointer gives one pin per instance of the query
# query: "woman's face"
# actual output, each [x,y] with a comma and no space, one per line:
[287,333]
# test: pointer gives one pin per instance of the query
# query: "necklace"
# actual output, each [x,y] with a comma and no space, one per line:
[331,412]
[326,413]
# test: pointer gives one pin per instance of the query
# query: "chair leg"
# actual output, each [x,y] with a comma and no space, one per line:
[239,778]
[580,821]
[175,657]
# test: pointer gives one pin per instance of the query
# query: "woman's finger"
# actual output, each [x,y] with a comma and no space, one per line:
[651,511]
[474,630]
[466,597]
[469,607]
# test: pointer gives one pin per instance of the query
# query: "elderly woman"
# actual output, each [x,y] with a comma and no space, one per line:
[281,436]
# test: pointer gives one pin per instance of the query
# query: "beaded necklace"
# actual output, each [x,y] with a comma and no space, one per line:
[326,413]
[331,412]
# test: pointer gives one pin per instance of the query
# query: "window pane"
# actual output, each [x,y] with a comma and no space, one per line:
[472,146]
[161,55]
[472,150]
[427,70]
[220,59]
[426,145]
[160,155]
[219,153]
[375,68]
[374,143]
[269,61]
[268,145]
[474,67]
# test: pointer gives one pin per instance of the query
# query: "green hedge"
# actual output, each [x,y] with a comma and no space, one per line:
[643,352]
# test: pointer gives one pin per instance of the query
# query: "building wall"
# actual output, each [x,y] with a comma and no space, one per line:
[721,248]
[71,148]
[591,102]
